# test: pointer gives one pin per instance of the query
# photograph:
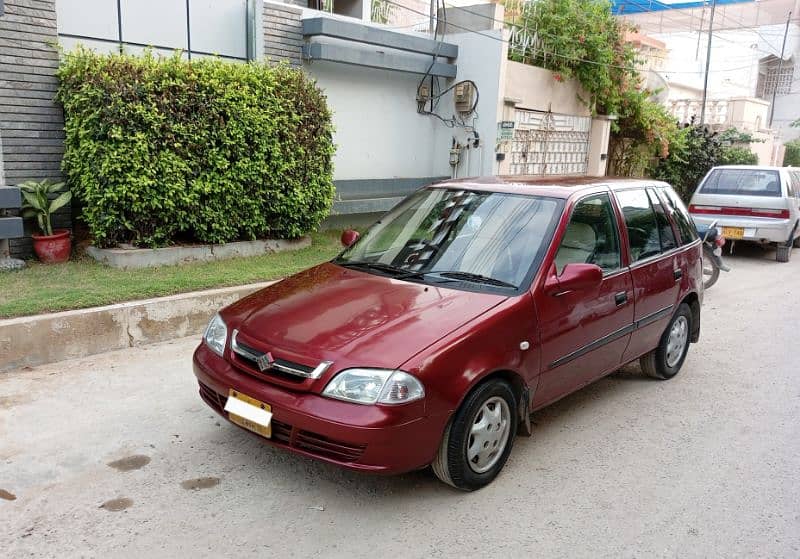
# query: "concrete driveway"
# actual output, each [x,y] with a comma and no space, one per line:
[116,455]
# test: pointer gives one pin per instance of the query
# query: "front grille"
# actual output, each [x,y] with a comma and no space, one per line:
[286,435]
[245,358]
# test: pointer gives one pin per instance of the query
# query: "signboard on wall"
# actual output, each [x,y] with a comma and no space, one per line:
[505,130]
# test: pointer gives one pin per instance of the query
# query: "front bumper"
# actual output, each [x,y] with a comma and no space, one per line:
[382,439]
[756,229]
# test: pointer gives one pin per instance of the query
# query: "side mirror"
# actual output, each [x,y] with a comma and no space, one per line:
[574,277]
[349,236]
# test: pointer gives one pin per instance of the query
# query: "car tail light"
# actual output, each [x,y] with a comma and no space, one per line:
[747,212]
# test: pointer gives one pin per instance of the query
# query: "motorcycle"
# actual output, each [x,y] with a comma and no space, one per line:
[713,241]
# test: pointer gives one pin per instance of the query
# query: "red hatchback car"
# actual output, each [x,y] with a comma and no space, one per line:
[433,337]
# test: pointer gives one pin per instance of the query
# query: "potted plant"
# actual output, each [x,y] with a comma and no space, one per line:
[51,246]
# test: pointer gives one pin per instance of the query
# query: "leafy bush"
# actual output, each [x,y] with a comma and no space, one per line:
[694,151]
[737,155]
[791,157]
[161,149]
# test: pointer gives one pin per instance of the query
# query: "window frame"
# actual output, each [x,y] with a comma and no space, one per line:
[662,193]
[615,217]
[631,261]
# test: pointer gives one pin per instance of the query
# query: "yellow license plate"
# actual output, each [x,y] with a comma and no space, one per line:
[733,232]
[263,430]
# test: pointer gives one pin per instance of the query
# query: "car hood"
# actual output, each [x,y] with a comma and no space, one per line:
[353,318]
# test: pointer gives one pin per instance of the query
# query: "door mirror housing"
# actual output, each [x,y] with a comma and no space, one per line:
[574,277]
[349,237]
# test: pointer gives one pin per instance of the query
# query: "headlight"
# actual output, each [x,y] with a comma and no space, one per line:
[216,334]
[370,386]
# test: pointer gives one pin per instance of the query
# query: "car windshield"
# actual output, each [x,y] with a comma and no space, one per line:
[743,182]
[442,235]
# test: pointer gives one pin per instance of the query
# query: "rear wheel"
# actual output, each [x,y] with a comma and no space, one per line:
[666,360]
[796,243]
[478,440]
[784,253]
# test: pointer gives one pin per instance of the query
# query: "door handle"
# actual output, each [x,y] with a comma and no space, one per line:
[621,298]
[677,274]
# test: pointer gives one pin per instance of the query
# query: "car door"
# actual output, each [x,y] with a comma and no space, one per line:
[655,265]
[584,333]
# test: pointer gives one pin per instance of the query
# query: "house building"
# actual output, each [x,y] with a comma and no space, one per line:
[746,44]
[415,98]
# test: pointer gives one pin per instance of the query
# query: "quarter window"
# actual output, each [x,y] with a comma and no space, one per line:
[591,236]
[668,241]
[685,223]
[640,221]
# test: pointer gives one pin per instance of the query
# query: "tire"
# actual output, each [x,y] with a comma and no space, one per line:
[796,243]
[784,253]
[666,360]
[452,464]
[709,264]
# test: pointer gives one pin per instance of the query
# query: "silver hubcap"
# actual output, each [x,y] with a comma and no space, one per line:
[676,343]
[489,434]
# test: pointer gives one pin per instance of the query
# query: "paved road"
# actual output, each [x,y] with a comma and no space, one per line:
[704,465]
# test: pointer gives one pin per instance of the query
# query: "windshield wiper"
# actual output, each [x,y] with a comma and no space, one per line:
[394,271]
[474,278]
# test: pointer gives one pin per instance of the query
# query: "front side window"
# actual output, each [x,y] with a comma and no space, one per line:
[591,236]
[440,235]
[684,221]
[640,221]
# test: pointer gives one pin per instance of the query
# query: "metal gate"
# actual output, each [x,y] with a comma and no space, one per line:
[547,143]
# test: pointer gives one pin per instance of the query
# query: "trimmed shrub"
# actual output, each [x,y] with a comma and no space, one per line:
[164,149]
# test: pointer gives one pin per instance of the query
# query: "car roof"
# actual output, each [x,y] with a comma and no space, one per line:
[756,167]
[551,186]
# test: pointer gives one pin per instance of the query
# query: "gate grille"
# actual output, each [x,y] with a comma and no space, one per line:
[548,143]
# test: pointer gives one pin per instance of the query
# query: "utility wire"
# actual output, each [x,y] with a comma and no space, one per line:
[553,53]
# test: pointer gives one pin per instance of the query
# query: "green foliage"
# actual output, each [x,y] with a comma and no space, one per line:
[581,39]
[37,202]
[693,152]
[736,155]
[791,157]
[163,149]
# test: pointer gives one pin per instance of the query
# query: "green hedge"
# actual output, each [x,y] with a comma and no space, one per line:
[164,149]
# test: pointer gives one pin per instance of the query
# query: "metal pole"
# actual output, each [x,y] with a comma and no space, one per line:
[708,63]
[780,69]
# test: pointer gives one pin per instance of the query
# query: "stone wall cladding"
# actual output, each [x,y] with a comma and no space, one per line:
[31,123]
[283,33]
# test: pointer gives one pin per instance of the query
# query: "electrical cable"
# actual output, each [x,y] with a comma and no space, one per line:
[573,59]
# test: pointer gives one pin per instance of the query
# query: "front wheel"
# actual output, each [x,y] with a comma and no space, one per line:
[666,360]
[478,440]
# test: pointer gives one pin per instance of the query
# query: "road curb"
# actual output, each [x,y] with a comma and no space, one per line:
[47,338]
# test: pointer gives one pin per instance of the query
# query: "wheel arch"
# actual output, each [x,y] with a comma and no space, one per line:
[520,388]
[692,300]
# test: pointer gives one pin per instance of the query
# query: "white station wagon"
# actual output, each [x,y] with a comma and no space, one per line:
[751,203]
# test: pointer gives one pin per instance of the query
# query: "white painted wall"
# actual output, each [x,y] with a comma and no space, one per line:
[379,134]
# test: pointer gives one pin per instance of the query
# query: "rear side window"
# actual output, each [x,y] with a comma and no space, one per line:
[668,240]
[679,213]
[640,221]
[743,182]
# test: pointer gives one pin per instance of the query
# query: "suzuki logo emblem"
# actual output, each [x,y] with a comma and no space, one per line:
[265,362]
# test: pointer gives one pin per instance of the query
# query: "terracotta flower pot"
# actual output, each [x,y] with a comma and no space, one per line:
[53,249]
